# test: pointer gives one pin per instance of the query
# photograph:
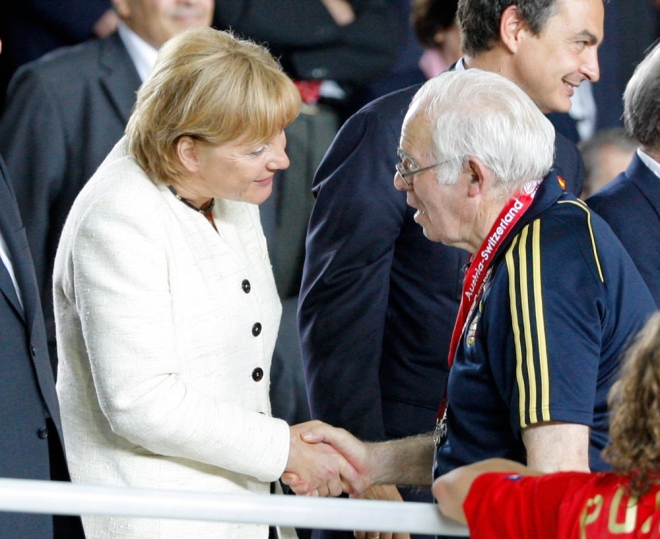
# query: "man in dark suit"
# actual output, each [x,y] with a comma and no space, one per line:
[67,110]
[631,202]
[30,429]
[31,28]
[378,300]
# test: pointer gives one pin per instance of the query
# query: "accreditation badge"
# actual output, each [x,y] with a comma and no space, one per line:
[471,335]
[440,432]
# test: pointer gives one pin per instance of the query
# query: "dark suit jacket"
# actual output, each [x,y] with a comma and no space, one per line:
[631,206]
[30,429]
[378,299]
[310,44]
[32,28]
[64,114]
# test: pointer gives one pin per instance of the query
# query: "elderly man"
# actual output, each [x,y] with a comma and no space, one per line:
[378,301]
[631,202]
[66,111]
[549,300]
[496,499]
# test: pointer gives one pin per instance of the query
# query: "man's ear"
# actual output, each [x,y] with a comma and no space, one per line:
[187,153]
[512,29]
[479,176]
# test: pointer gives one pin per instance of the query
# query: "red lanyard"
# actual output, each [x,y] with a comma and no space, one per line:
[478,273]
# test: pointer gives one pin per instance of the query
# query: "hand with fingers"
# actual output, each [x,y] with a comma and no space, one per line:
[325,460]
[317,469]
[380,492]
[341,11]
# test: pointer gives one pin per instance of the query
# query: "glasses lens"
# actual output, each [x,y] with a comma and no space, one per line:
[406,165]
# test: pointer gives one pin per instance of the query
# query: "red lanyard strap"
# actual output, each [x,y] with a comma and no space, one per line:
[477,275]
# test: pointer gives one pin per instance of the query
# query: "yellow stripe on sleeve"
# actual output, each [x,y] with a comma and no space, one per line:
[540,321]
[527,329]
[582,205]
[511,268]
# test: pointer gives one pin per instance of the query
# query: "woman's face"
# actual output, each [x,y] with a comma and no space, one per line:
[234,170]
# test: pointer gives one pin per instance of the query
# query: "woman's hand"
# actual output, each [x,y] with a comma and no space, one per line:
[325,460]
[317,468]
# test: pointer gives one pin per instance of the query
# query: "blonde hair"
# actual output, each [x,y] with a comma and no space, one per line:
[211,86]
[635,411]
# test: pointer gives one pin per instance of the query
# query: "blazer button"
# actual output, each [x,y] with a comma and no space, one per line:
[33,350]
[43,433]
[256,329]
[245,285]
[257,374]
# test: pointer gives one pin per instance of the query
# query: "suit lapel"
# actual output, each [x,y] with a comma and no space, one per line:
[8,290]
[12,232]
[119,78]
[646,181]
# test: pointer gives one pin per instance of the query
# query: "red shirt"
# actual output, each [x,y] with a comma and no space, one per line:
[568,505]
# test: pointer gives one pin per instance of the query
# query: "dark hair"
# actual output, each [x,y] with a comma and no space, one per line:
[480,20]
[430,16]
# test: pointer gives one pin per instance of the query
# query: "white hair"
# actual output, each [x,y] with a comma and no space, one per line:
[481,114]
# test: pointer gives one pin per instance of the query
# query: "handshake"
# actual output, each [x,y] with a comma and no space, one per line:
[326,461]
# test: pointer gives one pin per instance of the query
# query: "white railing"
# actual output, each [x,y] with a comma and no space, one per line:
[26,496]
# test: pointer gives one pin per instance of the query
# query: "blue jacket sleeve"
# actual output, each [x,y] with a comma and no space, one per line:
[355,223]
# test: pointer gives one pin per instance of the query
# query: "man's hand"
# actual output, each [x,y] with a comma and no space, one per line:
[106,24]
[380,492]
[342,452]
[318,469]
[340,10]
[398,462]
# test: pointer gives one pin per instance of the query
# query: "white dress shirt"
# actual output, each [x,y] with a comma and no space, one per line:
[651,163]
[143,55]
[4,255]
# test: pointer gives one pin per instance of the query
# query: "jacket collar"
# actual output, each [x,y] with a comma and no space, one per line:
[118,76]
[643,178]
[549,192]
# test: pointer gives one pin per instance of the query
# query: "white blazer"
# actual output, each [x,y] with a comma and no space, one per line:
[162,327]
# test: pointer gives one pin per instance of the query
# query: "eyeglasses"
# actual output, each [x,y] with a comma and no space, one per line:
[407,167]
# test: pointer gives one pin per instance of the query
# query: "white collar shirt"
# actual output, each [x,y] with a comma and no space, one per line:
[143,55]
[6,259]
[651,163]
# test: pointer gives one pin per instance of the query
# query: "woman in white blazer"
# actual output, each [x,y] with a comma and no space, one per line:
[166,308]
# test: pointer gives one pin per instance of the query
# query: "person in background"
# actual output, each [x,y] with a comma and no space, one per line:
[605,155]
[436,28]
[404,72]
[378,300]
[33,28]
[631,202]
[165,303]
[549,300]
[501,498]
[68,109]
[331,48]
[31,441]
